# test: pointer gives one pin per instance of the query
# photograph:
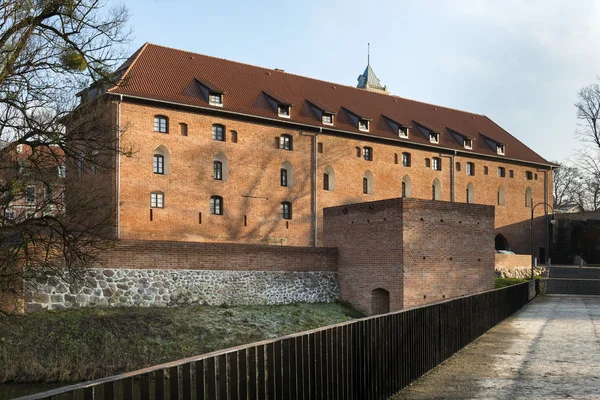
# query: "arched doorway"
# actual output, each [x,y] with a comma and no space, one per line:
[380,301]
[501,242]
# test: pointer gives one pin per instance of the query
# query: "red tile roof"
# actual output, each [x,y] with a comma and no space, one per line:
[165,74]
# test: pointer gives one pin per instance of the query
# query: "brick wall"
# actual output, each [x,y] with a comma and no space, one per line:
[252,193]
[420,251]
[140,254]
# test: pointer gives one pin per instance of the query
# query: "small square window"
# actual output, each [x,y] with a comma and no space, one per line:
[327,119]
[436,163]
[500,149]
[218,133]
[434,137]
[403,132]
[528,175]
[363,125]
[216,99]
[368,153]
[501,172]
[511,173]
[285,142]
[283,111]
[468,143]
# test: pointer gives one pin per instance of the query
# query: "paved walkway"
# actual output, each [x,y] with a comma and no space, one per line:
[548,350]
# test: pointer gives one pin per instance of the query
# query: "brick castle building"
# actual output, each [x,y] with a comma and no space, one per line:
[228,152]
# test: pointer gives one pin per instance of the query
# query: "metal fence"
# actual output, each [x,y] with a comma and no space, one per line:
[369,358]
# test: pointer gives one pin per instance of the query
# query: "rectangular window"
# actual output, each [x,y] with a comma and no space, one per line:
[500,149]
[327,119]
[406,159]
[485,170]
[457,167]
[160,124]
[159,164]
[470,168]
[529,175]
[285,142]
[363,125]
[501,172]
[9,215]
[62,171]
[157,200]
[217,170]
[468,143]
[368,153]
[511,173]
[427,163]
[325,181]
[286,210]
[319,147]
[218,133]
[436,163]
[216,205]
[434,137]
[283,177]
[215,99]
[403,132]
[283,111]
[30,194]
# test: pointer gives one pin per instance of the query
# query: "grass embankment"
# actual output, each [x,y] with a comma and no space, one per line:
[83,344]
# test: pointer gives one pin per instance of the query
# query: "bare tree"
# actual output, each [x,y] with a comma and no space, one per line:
[588,114]
[566,185]
[52,220]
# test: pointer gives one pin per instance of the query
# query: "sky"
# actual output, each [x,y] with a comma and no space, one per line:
[519,62]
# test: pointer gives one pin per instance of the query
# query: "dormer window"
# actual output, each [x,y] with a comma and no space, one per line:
[327,119]
[283,111]
[468,143]
[403,132]
[500,149]
[363,125]
[215,99]
[434,137]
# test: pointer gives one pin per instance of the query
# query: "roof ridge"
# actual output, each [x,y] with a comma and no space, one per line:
[314,79]
[137,54]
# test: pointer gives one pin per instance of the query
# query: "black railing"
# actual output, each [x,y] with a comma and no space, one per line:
[369,358]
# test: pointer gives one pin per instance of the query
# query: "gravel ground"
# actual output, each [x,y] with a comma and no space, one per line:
[548,350]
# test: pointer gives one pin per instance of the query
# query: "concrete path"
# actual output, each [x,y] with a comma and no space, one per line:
[548,350]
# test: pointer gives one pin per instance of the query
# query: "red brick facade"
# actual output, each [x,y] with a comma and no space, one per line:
[140,254]
[252,193]
[417,250]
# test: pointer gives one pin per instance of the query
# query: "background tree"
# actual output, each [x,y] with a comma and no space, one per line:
[51,221]
[566,185]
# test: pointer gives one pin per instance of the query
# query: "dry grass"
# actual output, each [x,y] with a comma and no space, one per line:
[83,344]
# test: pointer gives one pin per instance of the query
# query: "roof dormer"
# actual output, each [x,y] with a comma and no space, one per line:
[211,92]
[280,105]
[359,121]
[430,134]
[464,140]
[323,113]
[498,147]
[398,127]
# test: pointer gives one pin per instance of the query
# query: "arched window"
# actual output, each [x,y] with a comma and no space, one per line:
[500,195]
[286,175]
[217,170]
[183,129]
[161,124]
[436,190]
[161,161]
[501,243]
[157,200]
[216,205]
[470,193]
[329,179]
[286,142]
[406,186]
[368,184]
[221,167]
[218,132]
[286,210]
[528,197]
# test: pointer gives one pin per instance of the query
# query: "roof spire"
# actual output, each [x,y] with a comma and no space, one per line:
[368,80]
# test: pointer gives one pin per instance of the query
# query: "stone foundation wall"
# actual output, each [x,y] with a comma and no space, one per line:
[107,287]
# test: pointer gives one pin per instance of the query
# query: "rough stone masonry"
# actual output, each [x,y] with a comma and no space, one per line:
[156,287]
